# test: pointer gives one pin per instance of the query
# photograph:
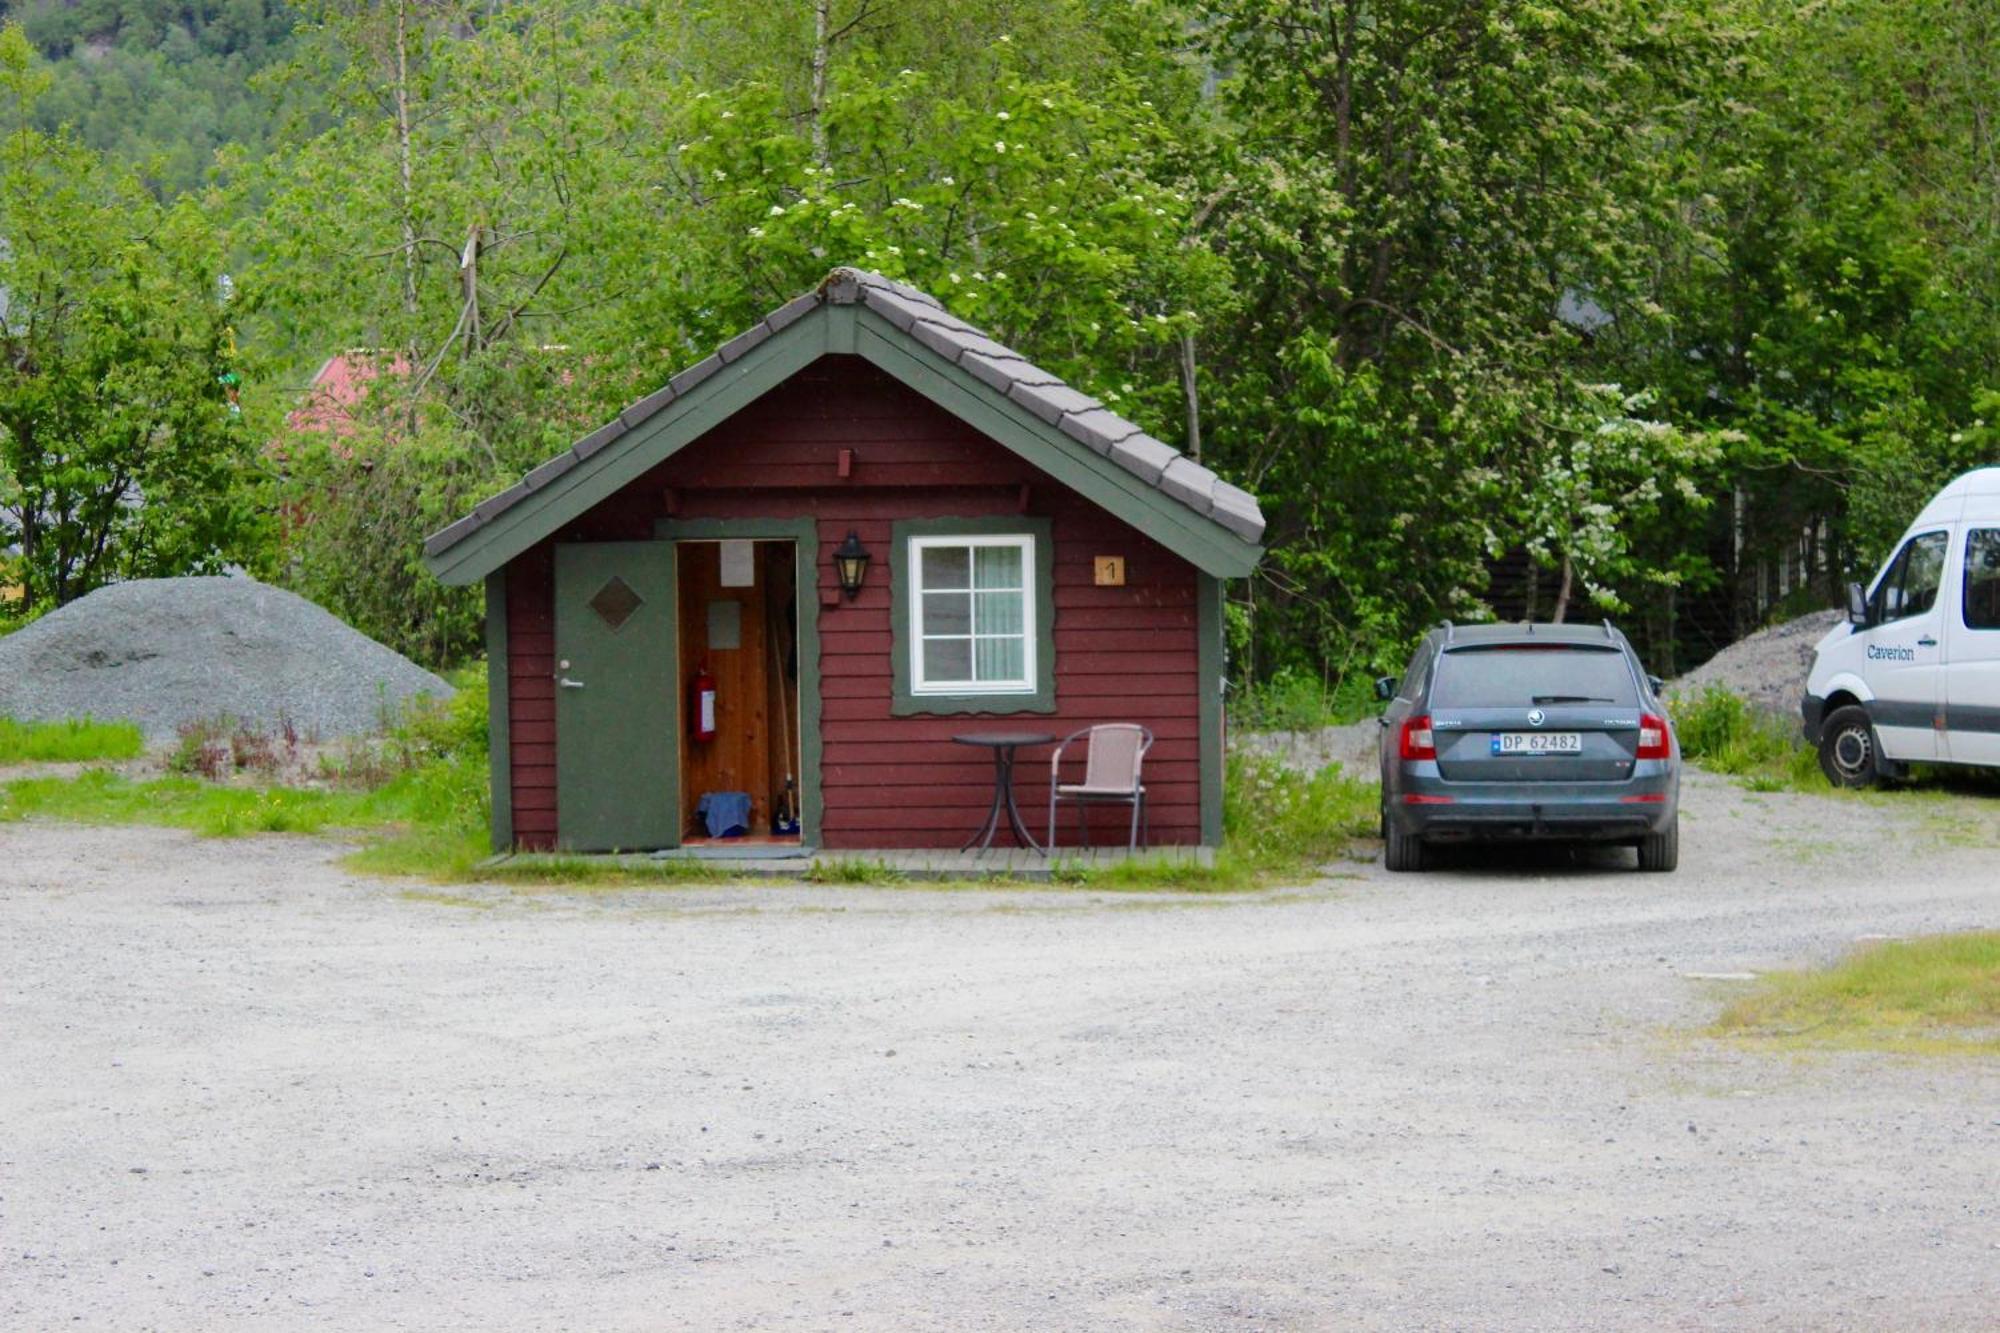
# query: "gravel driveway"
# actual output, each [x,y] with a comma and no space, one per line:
[243,1086]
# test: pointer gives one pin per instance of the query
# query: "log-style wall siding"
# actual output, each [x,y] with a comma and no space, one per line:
[1123,654]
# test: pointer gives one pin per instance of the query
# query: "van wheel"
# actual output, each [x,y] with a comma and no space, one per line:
[1662,850]
[1848,754]
[1402,851]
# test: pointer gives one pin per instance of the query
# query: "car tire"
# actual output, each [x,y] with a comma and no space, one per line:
[1401,851]
[1848,752]
[1661,851]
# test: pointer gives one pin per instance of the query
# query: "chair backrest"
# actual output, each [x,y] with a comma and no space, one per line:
[1117,749]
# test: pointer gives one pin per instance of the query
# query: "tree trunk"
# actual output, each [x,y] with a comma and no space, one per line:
[403,156]
[1192,395]
[1562,594]
[821,57]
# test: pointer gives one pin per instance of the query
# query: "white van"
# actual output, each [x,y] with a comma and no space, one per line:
[1914,674]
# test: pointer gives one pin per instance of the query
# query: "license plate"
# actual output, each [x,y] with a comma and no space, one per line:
[1537,742]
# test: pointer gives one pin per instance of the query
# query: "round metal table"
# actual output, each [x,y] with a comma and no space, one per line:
[1003,744]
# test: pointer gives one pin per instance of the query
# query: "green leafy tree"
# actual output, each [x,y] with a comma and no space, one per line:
[1029,208]
[1417,203]
[119,445]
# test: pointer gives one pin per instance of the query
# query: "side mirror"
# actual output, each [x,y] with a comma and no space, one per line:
[1857,605]
[1656,685]
[1385,688]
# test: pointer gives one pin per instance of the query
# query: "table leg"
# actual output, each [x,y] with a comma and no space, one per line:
[984,835]
[1025,839]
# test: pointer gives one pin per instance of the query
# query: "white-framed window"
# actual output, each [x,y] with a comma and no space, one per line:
[972,614]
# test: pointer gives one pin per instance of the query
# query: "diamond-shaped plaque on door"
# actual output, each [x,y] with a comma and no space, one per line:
[615,602]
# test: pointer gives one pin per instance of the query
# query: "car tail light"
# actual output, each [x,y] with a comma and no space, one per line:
[1655,740]
[1417,740]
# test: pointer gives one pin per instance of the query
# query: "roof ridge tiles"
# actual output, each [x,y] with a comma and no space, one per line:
[1076,414]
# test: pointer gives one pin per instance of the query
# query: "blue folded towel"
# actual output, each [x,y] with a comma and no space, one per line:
[725,814]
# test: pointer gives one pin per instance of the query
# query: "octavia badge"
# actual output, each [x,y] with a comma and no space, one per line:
[1536,717]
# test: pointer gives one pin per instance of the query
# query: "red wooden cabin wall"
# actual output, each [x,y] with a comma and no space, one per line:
[1122,654]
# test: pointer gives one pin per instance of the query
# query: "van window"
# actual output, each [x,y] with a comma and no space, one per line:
[1910,588]
[1982,578]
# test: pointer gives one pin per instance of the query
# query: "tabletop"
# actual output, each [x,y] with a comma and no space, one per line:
[1004,739]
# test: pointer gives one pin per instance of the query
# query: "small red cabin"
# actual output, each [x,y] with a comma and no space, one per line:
[771,594]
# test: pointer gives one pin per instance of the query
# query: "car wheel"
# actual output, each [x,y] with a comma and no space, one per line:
[1662,850]
[1847,750]
[1401,851]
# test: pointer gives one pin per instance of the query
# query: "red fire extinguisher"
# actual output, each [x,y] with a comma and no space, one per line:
[701,705]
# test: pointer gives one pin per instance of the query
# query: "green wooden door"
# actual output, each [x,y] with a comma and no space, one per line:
[617,705]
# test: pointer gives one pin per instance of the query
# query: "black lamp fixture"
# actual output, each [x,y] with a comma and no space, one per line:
[850,562]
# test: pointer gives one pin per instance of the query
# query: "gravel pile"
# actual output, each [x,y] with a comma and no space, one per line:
[1768,668]
[166,652]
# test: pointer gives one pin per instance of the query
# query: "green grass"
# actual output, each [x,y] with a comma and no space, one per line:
[1725,734]
[431,799]
[1938,994]
[74,741]
[851,870]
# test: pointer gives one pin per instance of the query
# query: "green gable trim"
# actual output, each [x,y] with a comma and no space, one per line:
[803,533]
[499,734]
[1205,544]
[902,702]
[855,330]
[1209,669]
[722,395]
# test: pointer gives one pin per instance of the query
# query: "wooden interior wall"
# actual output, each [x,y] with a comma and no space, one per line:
[775,561]
[1123,654]
[738,757]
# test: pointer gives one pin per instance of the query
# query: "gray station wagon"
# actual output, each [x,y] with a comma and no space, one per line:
[1527,732]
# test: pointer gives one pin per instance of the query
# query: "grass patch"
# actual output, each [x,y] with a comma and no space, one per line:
[1726,734]
[1938,994]
[851,870]
[432,798]
[78,740]
[418,792]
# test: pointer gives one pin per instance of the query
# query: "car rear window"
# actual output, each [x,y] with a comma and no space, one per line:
[1518,675]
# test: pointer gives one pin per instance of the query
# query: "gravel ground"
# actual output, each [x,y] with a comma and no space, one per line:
[1768,668]
[166,652]
[245,1087]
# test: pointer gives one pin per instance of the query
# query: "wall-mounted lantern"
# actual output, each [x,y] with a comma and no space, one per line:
[850,564]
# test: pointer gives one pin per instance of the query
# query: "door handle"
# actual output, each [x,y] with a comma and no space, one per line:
[1927,642]
[569,684]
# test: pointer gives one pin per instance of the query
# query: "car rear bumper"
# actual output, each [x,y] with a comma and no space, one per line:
[1432,808]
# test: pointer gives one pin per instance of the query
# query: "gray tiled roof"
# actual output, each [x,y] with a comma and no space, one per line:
[1077,415]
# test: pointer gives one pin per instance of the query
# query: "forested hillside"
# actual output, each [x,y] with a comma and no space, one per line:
[1670,310]
[159,84]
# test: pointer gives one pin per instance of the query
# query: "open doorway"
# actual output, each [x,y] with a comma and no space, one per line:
[739,666]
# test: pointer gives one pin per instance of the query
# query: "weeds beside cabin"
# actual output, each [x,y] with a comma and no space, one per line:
[1035,562]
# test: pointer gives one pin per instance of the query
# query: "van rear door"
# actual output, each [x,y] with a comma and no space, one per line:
[1972,653]
[1902,651]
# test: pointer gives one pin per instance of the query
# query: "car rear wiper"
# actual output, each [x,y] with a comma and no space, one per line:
[1571,699]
